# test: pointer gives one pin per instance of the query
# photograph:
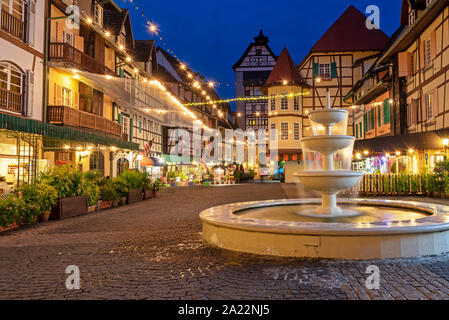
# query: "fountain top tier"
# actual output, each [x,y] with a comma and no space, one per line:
[329,121]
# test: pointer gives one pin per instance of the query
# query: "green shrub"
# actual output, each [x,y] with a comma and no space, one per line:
[108,193]
[158,185]
[67,181]
[91,190]
[9,210]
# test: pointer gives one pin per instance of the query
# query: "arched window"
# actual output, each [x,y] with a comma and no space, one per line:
[11,77]
[122,165]
[11,87]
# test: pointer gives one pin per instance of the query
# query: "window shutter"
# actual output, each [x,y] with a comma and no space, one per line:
[365,122]
[414,112]
[29,97]
[421,55]
[79,43]
[140,126]
[122,73]
[433,45]
[76,100]
[30,24]
[316,70]
[435,102]
[334,70]
[361,130]
[423,108]
[379,115]
[386,111]
[373,119]
[356,131]
[59,32]
[58,95]
[120,118]
[131,129]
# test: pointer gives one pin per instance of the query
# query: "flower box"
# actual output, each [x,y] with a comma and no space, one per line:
[147,194]
[134,195]
[70,207]
[105,204]
[11,227]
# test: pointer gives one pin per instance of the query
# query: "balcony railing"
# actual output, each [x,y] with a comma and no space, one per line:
[13,25]
[11,101]
[63,115]
[64,52]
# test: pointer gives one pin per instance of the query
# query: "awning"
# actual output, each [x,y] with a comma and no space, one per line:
[13,123]
[416,141]
[176,159]
[157,162]
[146,162]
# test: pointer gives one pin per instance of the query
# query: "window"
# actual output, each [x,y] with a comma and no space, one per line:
[258,52]
[296,103]
[66,97]
[125,126]
[411,17]
[14,7]
[296,134]
[325,70]
[68,38]
[273,102]
[273,132]
[427,52]
[96,161]
[11,78]
[429,106]
[284,131]
[98,14]
[284,102]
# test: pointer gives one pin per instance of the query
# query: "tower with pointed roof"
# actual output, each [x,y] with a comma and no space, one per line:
[329,64]
[285,88]
[251,72]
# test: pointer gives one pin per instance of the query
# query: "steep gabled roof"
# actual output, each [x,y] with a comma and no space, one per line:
[144,49]
[115,20]
[413,4]
[260,40]
[284,70]
[349,33]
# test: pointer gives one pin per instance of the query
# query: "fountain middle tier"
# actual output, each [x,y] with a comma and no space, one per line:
[327,146]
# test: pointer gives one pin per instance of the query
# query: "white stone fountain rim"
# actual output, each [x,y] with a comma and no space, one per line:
[327,174]
[224,216]
[326,137]
[328,110]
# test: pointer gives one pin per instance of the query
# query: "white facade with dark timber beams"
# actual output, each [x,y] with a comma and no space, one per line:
[251,72]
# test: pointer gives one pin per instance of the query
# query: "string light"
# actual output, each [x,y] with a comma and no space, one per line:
[246,99]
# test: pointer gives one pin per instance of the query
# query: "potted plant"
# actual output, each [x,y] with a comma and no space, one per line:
[108,195]
[91,189]
[147,188]
[47,199]
[9,212]
[157,186]
[68,183]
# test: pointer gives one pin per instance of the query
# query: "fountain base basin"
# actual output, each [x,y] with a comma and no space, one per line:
[404,229]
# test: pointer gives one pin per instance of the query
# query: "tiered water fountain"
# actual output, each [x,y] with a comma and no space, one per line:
[327,227]
[328,181]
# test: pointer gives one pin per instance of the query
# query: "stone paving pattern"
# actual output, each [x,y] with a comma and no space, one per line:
[154,250]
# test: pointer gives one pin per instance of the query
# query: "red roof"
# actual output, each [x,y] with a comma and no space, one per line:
[349,33]
[284,70]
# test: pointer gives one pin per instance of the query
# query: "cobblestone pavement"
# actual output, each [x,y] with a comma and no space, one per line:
[153,250]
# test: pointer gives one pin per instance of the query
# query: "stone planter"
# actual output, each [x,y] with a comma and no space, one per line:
[70,207]
[436,195]
[122,201]
[134,196]
[92,209]
[44,217]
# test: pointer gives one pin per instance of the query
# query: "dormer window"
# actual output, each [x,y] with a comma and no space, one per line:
[98,14]
[258,52]
[411,17]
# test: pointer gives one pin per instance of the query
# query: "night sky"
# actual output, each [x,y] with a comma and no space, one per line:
[210,36]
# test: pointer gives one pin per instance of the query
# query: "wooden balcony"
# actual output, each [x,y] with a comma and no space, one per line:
[13,25]
[66,116]
[64,52]
[11,101]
